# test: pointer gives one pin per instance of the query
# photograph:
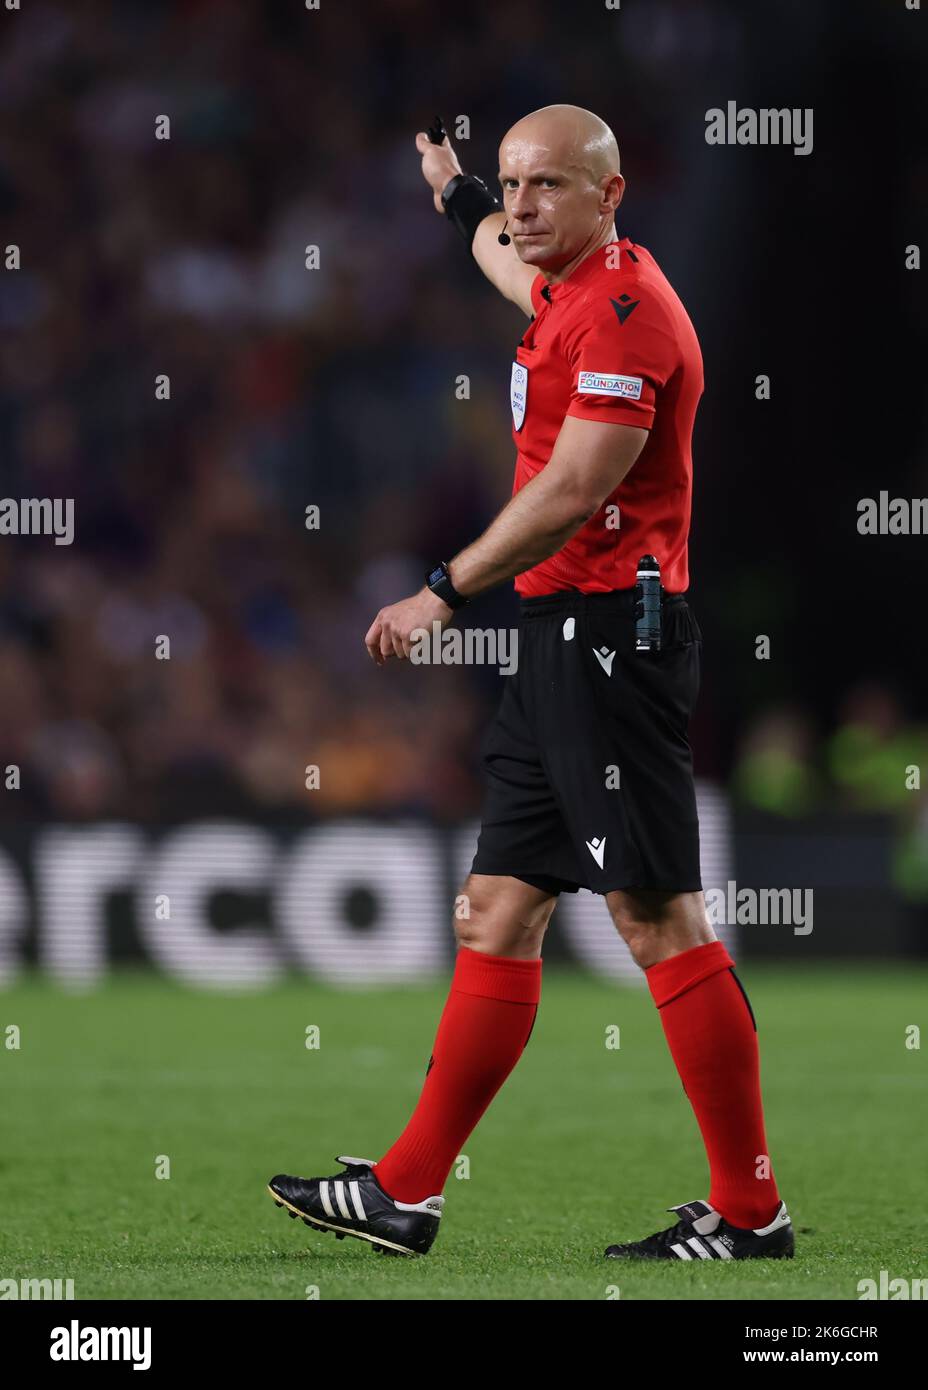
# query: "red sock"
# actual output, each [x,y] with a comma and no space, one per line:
[486,1022]
[710,1029]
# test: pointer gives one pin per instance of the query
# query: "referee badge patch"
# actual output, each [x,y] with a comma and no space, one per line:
[610,384]
[518,391]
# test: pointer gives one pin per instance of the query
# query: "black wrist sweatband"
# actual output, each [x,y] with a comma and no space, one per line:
[467,201]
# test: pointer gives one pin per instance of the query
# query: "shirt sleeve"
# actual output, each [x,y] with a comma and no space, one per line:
[619,357]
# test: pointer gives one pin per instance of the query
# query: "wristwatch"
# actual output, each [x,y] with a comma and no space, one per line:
[439,581]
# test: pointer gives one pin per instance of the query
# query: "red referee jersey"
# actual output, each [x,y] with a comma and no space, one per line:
[612,345]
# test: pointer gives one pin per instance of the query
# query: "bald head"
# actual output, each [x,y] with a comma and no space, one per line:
[561,181]
[575,137]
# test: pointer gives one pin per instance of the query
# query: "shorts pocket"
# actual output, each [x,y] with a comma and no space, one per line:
[664,685]
[679,627]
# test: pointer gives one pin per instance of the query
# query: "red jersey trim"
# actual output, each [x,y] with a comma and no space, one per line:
[607,414]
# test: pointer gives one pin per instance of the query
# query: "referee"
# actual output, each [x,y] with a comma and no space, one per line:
[588,765]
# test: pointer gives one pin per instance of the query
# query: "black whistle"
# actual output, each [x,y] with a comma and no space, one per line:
[648,605]
[436,132]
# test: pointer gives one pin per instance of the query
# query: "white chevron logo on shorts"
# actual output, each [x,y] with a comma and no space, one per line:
[604,657]
[598,847]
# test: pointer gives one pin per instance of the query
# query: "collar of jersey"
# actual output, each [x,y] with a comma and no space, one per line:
[588,267]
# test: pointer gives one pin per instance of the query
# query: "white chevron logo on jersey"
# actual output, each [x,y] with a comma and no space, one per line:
[604,657]
[598,847]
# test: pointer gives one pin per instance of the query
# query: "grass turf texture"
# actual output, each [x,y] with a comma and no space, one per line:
[583,1147]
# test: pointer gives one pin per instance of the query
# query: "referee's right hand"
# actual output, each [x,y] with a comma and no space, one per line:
[439,165]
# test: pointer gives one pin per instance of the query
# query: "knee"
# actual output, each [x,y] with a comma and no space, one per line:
[501,923]
[642,940]
[655,926]
[636,920]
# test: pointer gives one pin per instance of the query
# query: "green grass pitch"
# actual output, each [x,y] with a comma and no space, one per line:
[582,1147]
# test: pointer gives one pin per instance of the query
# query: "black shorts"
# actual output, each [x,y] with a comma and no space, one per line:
[588,761]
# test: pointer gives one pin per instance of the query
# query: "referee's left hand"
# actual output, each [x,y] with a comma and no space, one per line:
[390,632]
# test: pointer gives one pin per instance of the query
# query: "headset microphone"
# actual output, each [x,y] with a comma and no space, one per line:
[503,239]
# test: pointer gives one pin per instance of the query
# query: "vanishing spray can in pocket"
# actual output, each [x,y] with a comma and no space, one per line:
[648,605]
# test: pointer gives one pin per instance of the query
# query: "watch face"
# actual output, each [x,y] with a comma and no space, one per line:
[437,573]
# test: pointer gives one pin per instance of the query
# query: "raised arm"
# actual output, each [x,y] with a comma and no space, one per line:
[500,264]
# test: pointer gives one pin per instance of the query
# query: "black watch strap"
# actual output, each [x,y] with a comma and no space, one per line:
[439,581]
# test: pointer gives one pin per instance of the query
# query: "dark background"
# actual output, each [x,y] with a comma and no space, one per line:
[336,387]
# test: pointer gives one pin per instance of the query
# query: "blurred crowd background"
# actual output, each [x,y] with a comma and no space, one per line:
[335,387]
